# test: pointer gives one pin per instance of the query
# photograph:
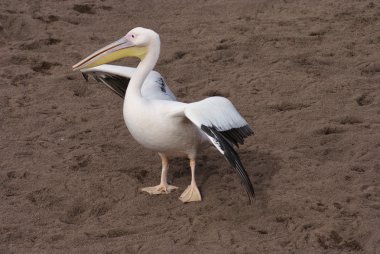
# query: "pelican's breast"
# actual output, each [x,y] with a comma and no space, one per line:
[154,129]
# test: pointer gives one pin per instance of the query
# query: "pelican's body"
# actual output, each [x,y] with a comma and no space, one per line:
[168,134]
[160,123]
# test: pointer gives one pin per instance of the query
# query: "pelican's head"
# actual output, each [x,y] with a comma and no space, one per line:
[134,44]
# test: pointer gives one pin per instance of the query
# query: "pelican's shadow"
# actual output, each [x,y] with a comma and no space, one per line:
[260,166]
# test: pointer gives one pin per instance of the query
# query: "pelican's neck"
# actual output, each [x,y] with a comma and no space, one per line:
[143,69]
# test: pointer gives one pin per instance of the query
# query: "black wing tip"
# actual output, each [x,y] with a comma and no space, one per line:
[252,195]
[116,83]
[85,76]
[252,199]
[233,158]
[237,135]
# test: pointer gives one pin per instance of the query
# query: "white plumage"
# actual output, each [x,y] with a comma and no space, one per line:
[215,111]
[159,122]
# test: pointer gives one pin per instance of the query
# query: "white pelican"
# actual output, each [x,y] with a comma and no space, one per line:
[159,122]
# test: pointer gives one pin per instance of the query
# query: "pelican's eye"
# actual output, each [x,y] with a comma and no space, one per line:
[133,36]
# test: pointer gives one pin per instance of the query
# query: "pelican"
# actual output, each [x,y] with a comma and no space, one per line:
[157,120]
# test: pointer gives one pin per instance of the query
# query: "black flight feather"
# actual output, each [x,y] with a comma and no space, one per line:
[161,83]
[118,84]
[230,154]
[236,136]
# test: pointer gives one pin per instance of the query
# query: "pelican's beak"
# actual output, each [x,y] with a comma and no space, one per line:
[112,52]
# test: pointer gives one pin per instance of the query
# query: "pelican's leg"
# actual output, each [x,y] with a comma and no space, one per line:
[191,193]
[163,187]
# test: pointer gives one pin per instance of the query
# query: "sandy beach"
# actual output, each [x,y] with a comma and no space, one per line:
[304,74]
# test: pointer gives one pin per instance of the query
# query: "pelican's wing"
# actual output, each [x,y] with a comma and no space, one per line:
[117,79]
[225,127]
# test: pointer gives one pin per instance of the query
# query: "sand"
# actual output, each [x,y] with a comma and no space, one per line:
[305,75]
